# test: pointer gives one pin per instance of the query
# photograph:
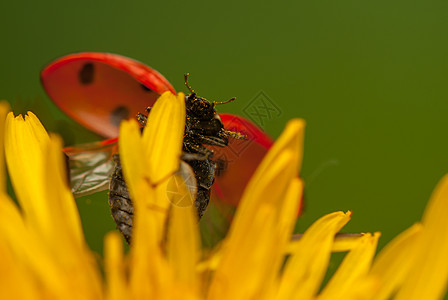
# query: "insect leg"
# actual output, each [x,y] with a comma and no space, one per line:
[213,141]
[234,134]
[192,156]
[141,118]
[198,148]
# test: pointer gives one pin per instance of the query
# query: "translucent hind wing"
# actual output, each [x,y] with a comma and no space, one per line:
[91,166]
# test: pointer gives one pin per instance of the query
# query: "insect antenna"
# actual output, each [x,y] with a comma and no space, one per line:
[187,85]
[224,102]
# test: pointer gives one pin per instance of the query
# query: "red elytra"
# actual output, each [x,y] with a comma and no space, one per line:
[98,90]
[241,158]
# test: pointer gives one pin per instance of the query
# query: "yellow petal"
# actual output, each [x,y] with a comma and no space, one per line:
[143,194]
[163,136]
[183,251]
[345,242]
[263,222]
[16,280]
[342,242]
[428,277]
[243,272]
[306,268]
[150,159]
[65,221]
[149,272]
[239,273]
[272,177]
[284,228]
[132,157]
[25,245]
[25,142]
[150,275]
[66,242]
[53,245]
[114,266]
[4,109]
[291,139]
[353,269]
[38,175]
[392,264]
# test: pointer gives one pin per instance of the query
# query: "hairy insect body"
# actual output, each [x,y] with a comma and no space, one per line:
[203,126]
[120,202]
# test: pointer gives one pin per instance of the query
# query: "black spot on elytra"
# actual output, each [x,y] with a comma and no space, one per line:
[86,74]
[120,113]
[145,88]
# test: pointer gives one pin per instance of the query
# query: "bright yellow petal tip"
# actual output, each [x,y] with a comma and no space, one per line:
[310,257]
[163,136]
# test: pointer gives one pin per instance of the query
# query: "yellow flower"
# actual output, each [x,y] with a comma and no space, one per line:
[415,264]
[44,255]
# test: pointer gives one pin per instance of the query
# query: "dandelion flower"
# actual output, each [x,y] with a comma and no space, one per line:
[44,254]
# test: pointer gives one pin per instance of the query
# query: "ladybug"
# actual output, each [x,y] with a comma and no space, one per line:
[99,90]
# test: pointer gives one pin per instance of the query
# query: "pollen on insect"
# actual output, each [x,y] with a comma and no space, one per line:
[235,135]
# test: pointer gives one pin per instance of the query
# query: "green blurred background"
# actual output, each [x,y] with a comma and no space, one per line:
[369,78]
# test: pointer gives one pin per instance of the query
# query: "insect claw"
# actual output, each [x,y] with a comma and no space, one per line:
[141,118]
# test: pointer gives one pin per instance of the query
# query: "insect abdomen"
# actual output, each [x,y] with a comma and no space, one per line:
[120,202]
